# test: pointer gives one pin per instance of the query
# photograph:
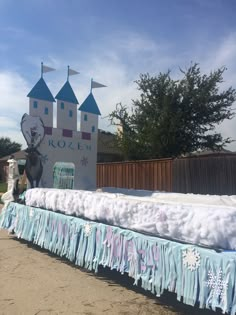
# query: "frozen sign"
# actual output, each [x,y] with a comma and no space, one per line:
[68,144]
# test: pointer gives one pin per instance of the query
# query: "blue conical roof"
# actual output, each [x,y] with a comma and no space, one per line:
[67,94]
[90,105]
[41,91]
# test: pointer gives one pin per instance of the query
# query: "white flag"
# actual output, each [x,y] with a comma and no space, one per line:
[47,69]
[72,72]
[95,85]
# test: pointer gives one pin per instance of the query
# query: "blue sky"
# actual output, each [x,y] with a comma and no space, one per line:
[111,42]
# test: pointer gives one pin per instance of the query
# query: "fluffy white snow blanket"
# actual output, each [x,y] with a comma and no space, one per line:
[199,219]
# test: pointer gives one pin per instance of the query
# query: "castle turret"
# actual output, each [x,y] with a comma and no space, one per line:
[41,103]
[66,108]
[89,115]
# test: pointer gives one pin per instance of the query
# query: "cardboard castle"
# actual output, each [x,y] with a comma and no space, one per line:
[64,144]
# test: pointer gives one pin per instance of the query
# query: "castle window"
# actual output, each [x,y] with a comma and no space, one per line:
[93,128]
[62,105]
[46,111]
[70,113]
[35,104]
[85,117]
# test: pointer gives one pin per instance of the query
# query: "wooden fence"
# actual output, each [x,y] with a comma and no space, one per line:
[199,175]
[205,175]
[150,175]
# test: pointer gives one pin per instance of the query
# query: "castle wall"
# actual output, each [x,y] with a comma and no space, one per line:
[66,115]
[43,109]
[80,148]
[88,121]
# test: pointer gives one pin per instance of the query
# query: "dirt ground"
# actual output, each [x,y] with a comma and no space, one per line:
[33,281]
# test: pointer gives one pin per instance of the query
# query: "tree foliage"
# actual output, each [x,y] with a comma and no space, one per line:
[174,117]
[8,147]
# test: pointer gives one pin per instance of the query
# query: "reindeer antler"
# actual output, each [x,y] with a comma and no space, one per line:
[33,130]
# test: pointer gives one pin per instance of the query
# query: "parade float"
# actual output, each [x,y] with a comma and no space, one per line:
[185,244]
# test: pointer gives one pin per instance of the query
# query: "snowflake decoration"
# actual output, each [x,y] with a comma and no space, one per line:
[84,161]
[217,285]
[191,259]
[87,229]
[44,158]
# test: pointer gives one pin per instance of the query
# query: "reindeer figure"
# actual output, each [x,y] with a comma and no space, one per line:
[33,131]
[33,166]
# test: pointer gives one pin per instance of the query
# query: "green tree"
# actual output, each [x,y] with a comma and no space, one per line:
[8,147]
[174,117]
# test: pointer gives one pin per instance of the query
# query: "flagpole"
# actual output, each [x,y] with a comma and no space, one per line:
[91,85]
[41,69]
[68,69]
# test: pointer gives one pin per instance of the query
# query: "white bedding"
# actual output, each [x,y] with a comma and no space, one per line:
[198,219]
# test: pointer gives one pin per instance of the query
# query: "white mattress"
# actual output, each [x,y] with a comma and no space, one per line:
[198,219]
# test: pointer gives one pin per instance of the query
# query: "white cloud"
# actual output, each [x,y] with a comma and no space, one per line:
[13,104]
[117,61]
[6,122]
[224,54]
[13,91]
